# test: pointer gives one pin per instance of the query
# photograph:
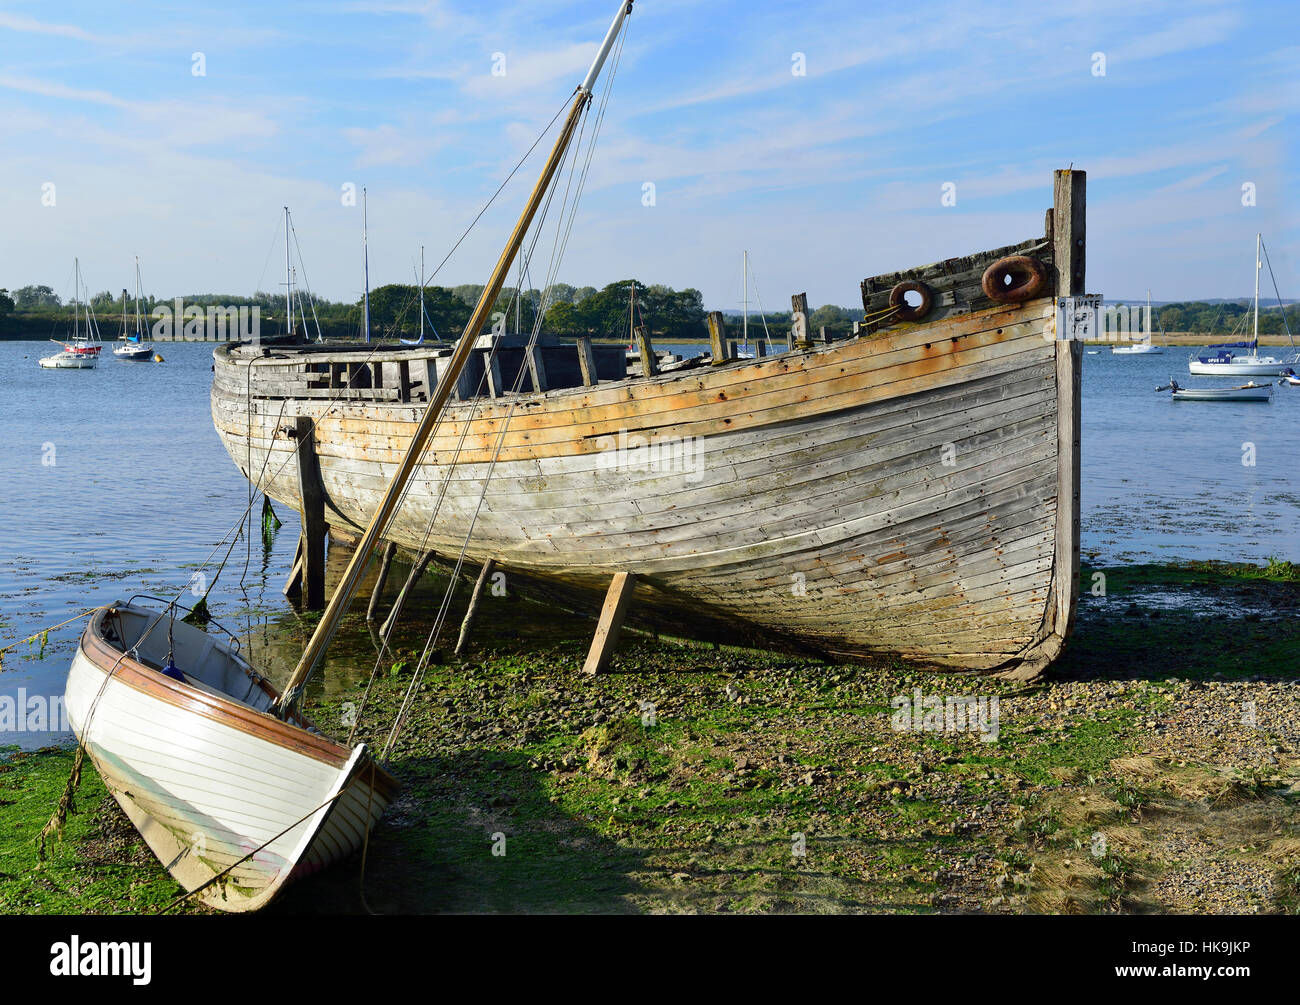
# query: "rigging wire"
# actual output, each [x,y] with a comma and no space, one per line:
[557,255]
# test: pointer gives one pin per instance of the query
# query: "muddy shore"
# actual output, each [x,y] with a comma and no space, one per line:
[1156,769]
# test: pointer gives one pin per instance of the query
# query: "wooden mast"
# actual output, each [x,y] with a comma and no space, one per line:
[347,587]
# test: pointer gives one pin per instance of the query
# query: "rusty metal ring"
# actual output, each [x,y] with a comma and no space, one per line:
[905,311]
[1027,279]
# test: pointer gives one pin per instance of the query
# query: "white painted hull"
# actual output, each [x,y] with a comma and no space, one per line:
[1267,367]
[1137,350]
[1224,393]
[68,361]
[208,779]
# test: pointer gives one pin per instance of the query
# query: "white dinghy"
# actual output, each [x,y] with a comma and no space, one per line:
[234,801]
[1249,391]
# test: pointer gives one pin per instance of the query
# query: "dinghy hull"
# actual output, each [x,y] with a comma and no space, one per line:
[232,801]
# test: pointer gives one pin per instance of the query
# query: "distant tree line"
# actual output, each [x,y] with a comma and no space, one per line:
[570,311]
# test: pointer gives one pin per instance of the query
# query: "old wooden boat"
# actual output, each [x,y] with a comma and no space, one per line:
[233,800]
[910,490]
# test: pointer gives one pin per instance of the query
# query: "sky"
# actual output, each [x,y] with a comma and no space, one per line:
[1178,111]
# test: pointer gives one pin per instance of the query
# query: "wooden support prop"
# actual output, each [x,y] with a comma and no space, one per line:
[610,624]
[799,335]
[389,551]
[587,362]
[718,338]
[293,585]
[649,364]
[484,575]
[312,493]
[417,572]
[536,367]
[760,348]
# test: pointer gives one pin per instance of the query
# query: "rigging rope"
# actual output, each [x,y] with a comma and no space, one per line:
[558,250]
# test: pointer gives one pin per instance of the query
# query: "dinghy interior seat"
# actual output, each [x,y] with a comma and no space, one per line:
[208,663]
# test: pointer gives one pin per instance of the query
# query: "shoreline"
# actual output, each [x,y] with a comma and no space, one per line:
[1169,339]
[763,783]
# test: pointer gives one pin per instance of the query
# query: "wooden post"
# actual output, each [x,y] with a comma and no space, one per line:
[484,575]
[718,337]
[417,571]
[799,334]
[536,367]
[1069,244]
[293,585]
[760,348]
[492,366]
[587,363]
[312,493]
[610,623]
[649,364]
[389,551]
[404,380]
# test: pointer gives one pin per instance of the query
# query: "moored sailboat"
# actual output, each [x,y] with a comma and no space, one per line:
[1145,348]
[1243,359]
[134,347]
[81,352]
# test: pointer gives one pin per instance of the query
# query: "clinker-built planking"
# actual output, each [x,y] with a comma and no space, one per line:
[911,490]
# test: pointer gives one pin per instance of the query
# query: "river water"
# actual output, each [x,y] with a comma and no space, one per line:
[116,484]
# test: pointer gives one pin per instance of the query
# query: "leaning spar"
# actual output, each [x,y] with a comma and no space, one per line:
[370,539]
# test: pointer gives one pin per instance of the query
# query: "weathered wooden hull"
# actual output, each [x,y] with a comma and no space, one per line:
[208,779]
[893,494]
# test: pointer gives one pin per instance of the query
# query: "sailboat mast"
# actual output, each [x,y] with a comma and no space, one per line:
[745,326]
[1257,240]
[288,279]
[365,262]
[343,593]
[76,298]
[139,336]
[422,293]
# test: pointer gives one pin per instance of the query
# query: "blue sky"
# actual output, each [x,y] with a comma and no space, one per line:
[825,178]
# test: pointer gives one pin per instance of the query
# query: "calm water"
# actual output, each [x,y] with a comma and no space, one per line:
[116,484]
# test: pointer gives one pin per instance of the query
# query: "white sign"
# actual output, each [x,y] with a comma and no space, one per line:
[1078,318]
